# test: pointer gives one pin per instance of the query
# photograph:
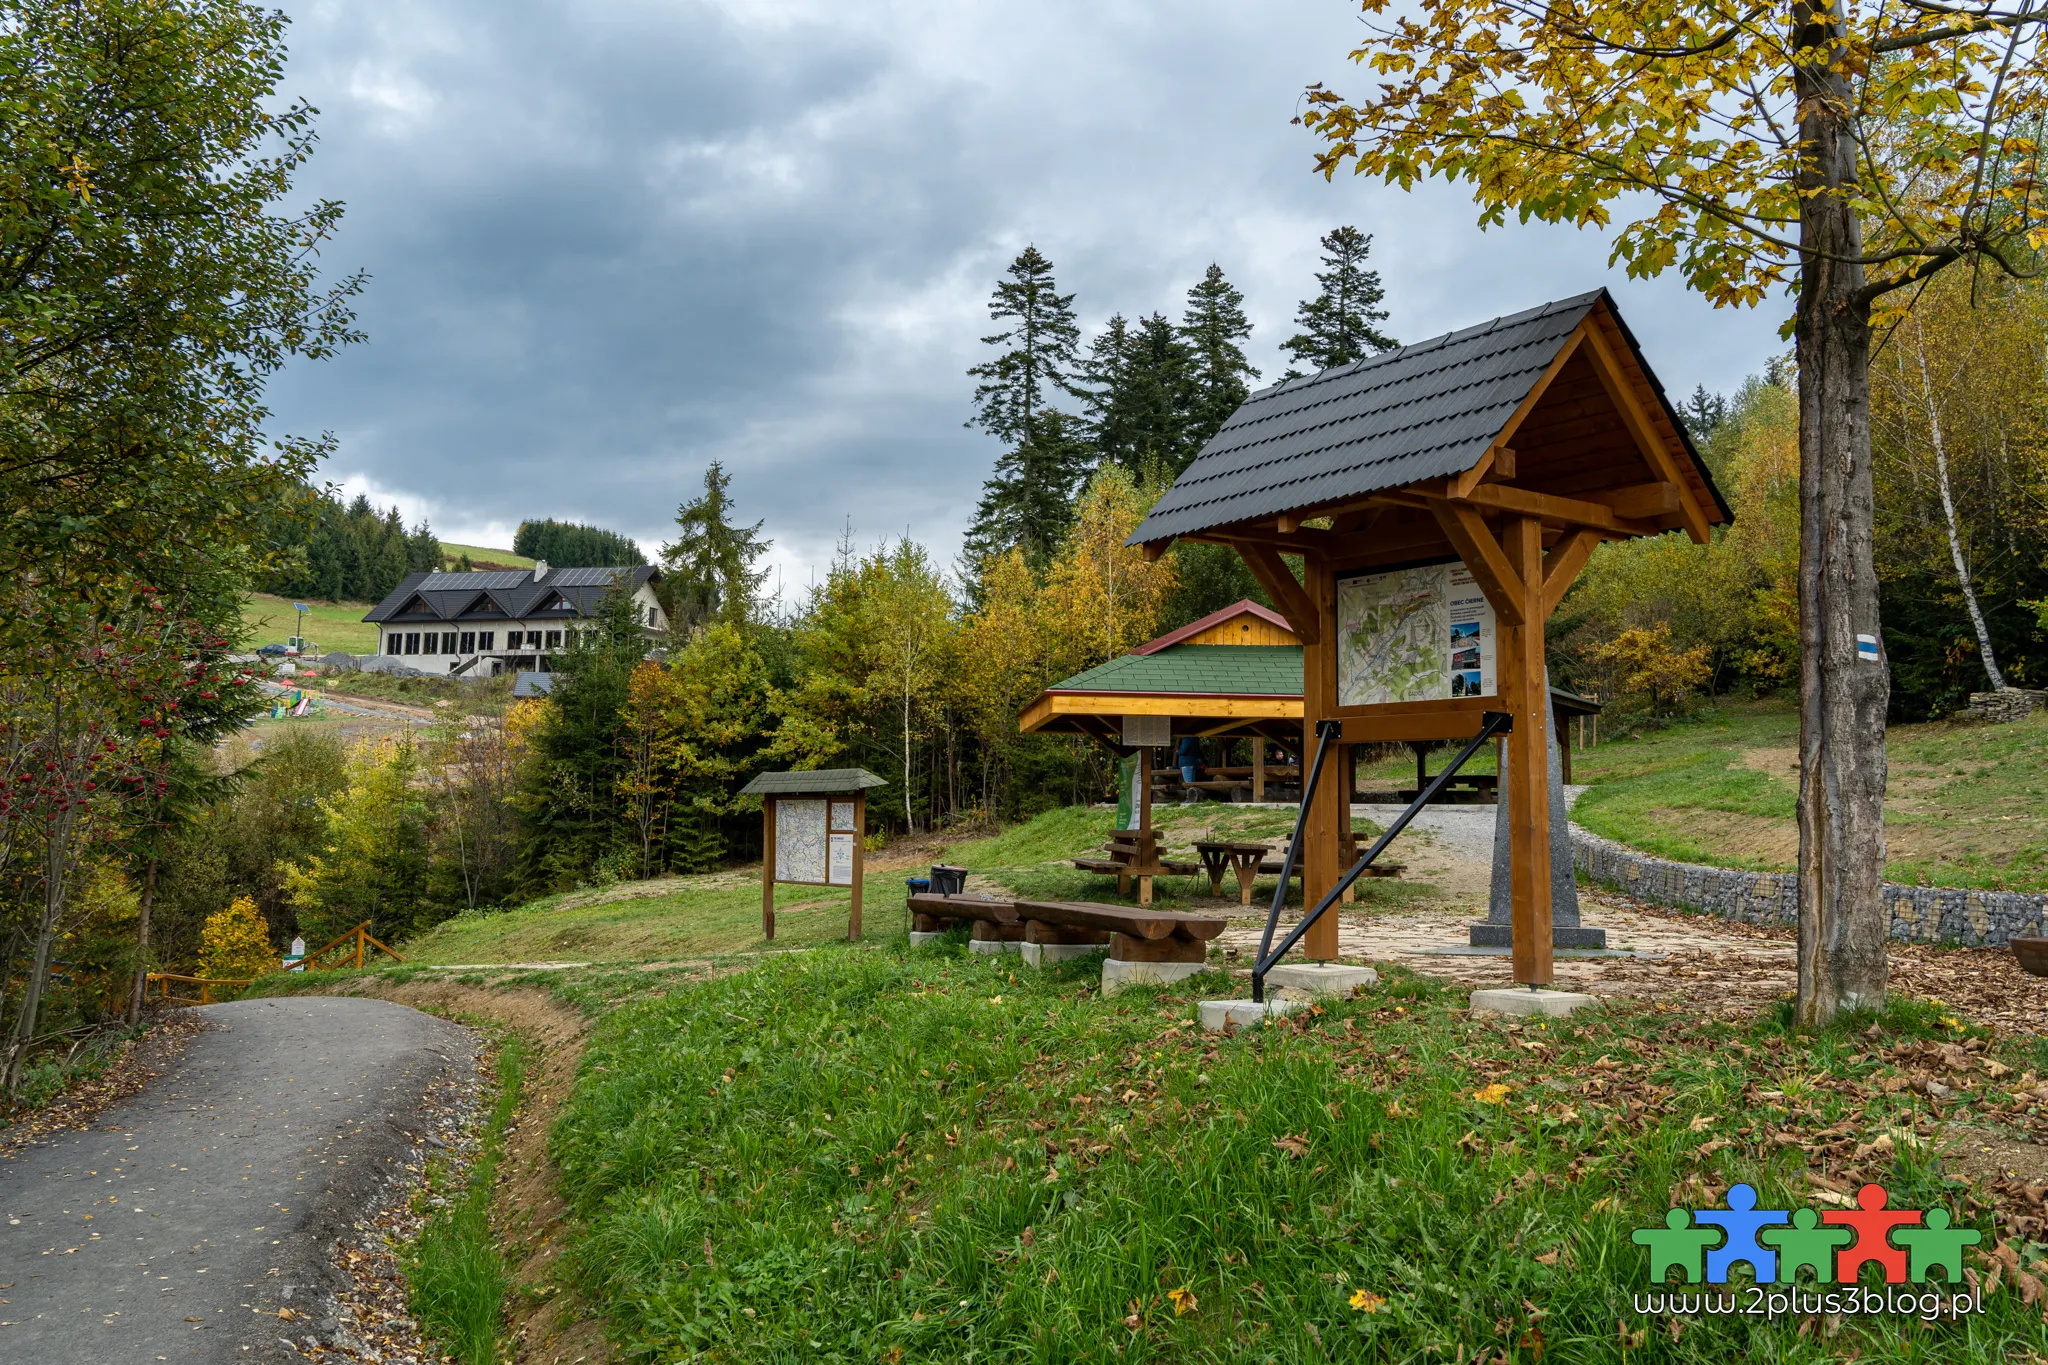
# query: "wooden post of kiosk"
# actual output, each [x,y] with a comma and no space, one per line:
[860,834]
[768,868]
[1258,766]
[1328,807]
[1144,787]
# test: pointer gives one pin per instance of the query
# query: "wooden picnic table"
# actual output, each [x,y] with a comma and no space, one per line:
[1219,856]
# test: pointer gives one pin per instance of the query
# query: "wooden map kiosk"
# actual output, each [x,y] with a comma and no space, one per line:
[812,828]
[1463,481]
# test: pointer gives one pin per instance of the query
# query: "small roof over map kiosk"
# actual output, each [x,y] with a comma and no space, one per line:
[813,832]
[1478,470]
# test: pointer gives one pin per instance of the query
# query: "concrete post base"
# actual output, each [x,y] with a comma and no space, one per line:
[1118,975]
[1523,1000]
[918,940]
[992,947]
[1044,954]
[1217,1015]
[1310,979]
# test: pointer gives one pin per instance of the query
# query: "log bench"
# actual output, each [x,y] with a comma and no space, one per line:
[993,918]
[1145,946]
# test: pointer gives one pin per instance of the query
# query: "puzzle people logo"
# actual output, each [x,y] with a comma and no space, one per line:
[1906,1245]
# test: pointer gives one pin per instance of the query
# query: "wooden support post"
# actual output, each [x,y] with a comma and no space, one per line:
[1347,768]
[1258,767]
[860,832]
[1523,692]
[1321,848]
[1564,748]
[768,868]
[360,931]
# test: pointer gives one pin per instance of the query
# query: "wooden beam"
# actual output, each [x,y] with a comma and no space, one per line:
[1614,378]
[1572,511]
[1357,521]
[1287,523]
[1155,550]
[1461,485]
[1173,704]
[1366,729]
[1036,714]
[1284,588]
[1562,565]
[1483,556]
[1527,789]
[1643,500]
[768,868]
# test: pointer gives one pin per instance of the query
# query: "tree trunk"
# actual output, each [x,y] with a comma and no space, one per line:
[1842,697]
[1949,518]
[144,905]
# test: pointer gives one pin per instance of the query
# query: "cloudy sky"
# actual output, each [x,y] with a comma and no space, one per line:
[611,241]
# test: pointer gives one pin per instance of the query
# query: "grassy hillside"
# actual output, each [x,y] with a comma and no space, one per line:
[482,557]
[332,625]
[925,1156]
[1964,805]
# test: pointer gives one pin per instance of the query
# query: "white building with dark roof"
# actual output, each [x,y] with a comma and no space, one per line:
[484,623]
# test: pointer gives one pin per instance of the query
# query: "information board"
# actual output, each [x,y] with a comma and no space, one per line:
[800,840]
[840,863]
[1423,633]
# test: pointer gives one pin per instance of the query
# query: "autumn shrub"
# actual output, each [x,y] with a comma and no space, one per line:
[1646,673]
[235,944]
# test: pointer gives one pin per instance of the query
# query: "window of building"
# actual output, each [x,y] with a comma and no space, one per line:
[469,642]
[487,640]
[432,643]
[412,642]
[394,643]
[554,639]
[533,639]
[447,642]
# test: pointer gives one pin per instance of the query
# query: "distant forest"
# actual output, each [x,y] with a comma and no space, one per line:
[345,553]
[572,545]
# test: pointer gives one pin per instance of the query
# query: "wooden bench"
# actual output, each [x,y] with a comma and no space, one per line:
[1133,935]
[1134,854]
[993,918]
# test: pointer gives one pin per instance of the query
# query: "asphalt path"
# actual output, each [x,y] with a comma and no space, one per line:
[178,1226]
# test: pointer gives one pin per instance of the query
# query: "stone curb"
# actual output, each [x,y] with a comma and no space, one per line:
[1919,914]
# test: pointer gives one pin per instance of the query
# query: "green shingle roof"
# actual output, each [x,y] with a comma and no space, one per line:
[815,782]
[1234,670]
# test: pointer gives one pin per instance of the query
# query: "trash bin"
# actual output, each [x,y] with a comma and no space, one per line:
[918,885]
[948,881]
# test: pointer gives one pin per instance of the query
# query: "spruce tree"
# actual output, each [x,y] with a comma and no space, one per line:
[708,571]
[1143,395]
[1338,324]
[1213,327]
[1025,501]
[422,550]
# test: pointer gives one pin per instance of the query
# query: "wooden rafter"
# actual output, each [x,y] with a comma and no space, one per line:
[1614,378]
[1562,565]
[1284,588]
[1572,511]
[1483,555]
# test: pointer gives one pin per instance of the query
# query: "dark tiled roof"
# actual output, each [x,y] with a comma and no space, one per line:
[502,593]
[1420,412]
[1226,670]
[822,782]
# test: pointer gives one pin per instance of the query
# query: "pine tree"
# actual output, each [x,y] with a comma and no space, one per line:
[1337,325]
[422,550]
[1142,400]
[708,570]
[1213,328]
[1703,412]
[1025,501]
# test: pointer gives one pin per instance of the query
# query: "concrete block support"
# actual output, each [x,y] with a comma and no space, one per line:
[1116,975]
[918,940]
[990,947]
[1521,1000]
[1045,954]
[1311,979]
[1218,1015]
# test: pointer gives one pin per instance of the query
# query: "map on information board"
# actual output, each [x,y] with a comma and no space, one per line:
[1416,634]
[799,841]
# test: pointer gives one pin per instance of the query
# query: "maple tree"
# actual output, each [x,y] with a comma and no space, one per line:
[1844,153]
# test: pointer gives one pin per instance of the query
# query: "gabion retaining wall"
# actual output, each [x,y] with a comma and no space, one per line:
[1919,914]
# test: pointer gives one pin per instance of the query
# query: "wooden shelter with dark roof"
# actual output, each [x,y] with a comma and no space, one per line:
[1515,447]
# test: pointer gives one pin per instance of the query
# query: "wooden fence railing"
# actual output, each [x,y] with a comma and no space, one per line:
[352,947]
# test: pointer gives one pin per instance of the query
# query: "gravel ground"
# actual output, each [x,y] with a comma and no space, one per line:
[200,1220]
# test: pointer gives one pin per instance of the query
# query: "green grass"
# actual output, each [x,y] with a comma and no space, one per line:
[267,620]
[718,913]
[481,555]
[455,1270]
[1964,805]
[923,1156]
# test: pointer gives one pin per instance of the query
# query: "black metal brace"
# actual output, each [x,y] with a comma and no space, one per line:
[1494,723]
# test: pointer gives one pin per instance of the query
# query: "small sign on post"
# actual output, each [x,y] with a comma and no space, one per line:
[813,833]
